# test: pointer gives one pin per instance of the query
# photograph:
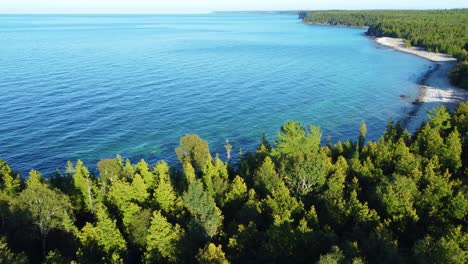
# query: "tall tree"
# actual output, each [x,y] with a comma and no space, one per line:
[84,182]
[206,217]
[101,242]
[163,241]
[48,208]
[195,150]
[211,254]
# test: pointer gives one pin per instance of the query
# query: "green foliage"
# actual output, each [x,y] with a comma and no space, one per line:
[334,257]
[102,242]
[398,197]
[237,190]
[109,170]
[7,256]
[195,150]
[451,248]
[85,184]
[142,169]
[9,183]
[266,180]
[47,208]
[459,74]
[163,241]
[401,199]
[295,140]
[54,257]
[304,164]
[211,254]
[439,118]
[206,217]
[138,226]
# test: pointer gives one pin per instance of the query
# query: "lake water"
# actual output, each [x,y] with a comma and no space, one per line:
[92,86]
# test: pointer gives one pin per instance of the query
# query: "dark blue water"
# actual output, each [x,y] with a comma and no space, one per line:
[90,87]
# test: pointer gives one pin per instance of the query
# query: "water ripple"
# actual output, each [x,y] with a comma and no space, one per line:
[90,87]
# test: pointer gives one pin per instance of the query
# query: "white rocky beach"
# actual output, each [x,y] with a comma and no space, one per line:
[435,86]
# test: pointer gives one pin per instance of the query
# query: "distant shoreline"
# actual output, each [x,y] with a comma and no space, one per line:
[331,25]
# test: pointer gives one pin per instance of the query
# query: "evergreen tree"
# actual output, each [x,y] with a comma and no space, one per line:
[206,217]
[101,242]
[163,241]
[212,254]
[84,183]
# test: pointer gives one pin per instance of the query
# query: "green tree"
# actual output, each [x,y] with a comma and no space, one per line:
[398,197]
[84,182]
[195,150]
[266,180]
[451,157]
[335,256]
[102,242]
[206,217]
[211,254]
[9,182]
[164,194]
[294,139]
[138,226]
[237,191]
[128,170]
[109,170]
[48,208]
[333,196]
[280,206]
[439,118]
[163,241]
[304,164]
[142,168]
[189,172]
[451,248]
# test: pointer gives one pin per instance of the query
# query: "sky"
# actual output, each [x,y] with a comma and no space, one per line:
[195,6]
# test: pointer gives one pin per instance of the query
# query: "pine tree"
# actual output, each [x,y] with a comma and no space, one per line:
[84,183]
[206,217]
[163,241]
[211,254]
[102,242]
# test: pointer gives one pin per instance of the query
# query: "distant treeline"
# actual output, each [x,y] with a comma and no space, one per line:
[444,31]
[401,199]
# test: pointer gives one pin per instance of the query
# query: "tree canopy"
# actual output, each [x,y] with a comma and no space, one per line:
[402,198]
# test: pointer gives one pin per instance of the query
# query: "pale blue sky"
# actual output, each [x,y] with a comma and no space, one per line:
[193,6]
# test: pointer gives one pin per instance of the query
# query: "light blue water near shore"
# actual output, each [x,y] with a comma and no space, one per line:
[90,87]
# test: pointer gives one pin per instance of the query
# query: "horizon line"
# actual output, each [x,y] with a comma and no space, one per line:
[187,12]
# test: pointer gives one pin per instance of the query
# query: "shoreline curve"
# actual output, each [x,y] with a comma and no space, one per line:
[434,86]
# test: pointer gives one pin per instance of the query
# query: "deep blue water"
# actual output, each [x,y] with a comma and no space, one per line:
[90,87]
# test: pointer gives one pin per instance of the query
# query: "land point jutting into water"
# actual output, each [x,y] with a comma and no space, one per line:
[169,138]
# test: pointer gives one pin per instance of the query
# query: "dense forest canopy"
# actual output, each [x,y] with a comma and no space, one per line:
[403,198]
[444,31]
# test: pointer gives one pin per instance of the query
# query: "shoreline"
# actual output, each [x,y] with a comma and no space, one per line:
[434,86]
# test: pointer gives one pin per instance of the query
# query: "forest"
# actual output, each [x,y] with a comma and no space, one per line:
[401,199]
[444,31]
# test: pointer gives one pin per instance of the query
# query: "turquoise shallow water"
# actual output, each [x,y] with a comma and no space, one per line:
[90,87]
